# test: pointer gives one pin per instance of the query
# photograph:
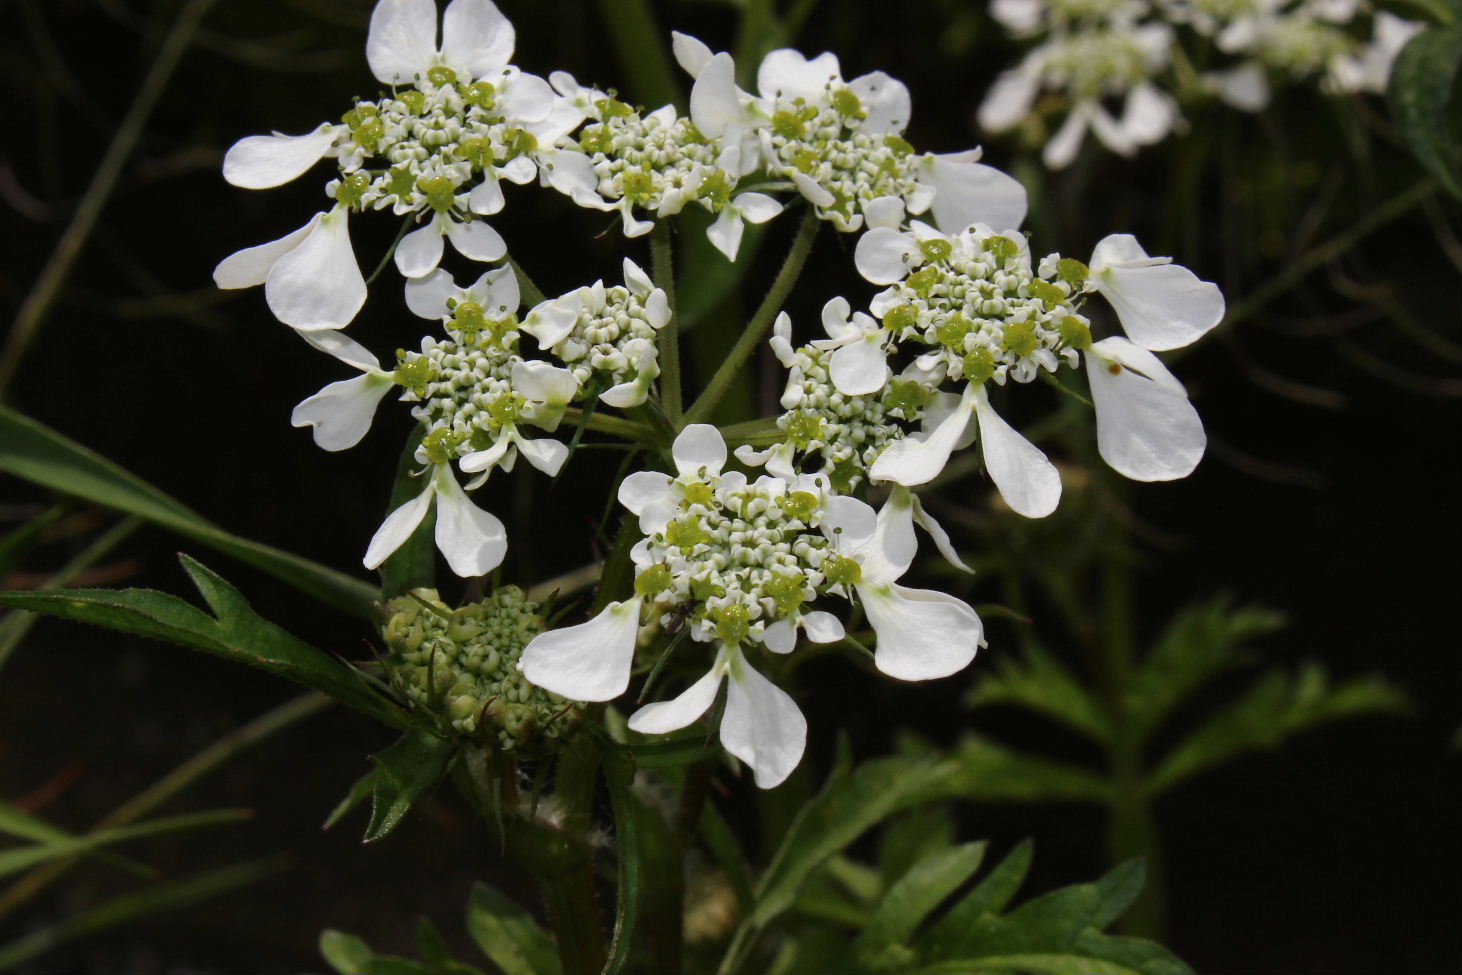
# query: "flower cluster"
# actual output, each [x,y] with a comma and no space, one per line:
[460,666]
[1137,55]
[727,562]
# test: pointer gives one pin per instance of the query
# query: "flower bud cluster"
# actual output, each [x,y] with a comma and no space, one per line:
[612,340]
[734,557]
[655,163]
[464,389]
[461,667]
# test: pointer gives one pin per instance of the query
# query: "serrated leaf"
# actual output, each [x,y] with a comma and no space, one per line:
[909,901]
[949,937]
[359,792]
[38,454]
[1049,924]
[345,953]
[409,769]
[509,935]
[1116,891]
[1419,92]
[1275,707]
[237,634]
[991,772]
[1201,641]
[1040,682]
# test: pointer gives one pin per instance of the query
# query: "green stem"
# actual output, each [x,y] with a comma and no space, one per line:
[532,294]
[760,322]
[662,269]
[38,303]
[261,728]
[640,433]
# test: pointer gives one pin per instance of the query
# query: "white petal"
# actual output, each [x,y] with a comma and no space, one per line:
[699,446]
[757,207]
[636,279]
[262,161]
[1147,429]
[398,526]
[762,725]
[486,460]
[657,309]
[474,541]
[587,662]
[939,409]
[1027,480]
[341,413]
[919,459]
[250,266]
[486,197]
[885,101]
[1009,100]
[1148,116]
[318,284]
[644,488]
[402,39]
[427,296]
[1161,306]
[884,255]
[725,233]
[850,523]
[497,289]
[420,251]
[541,382]
[475,239]
[526,99]
[895,535]
[626,395]
[780,637]
[344,348]
[664,717]
[822,627]
[970,192]
[1066,143]
[809,188]
[922,634]
[552,320]
[690,53]
[477,39]
[1245,87]
[860,368]
[941,537]
[715,106]
[884,211]
[546,454]
[786,74]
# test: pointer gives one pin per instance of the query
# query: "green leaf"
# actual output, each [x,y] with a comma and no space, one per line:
[409,769]
[237,634]
[1275,707]
[1420,92]
[509,935]
[911,900]
[345,953]
[414,564]
[363,788]
[991,772]
[128,908]
[24,857]
[1116,891]
[42,456]
[18,823]
[909,838]
[1043,684]
[619,775]
[1200,642]
[674,753]
[950,936]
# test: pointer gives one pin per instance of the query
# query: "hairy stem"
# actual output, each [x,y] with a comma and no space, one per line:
[760,322]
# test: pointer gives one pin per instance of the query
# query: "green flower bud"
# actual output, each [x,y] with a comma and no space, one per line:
[847,104]
[441,192]
[923,281]
[413,371]
[952,331]
[439,445]
[352,187]
[787,125]
[1002,247]
[639,186]
[786,591]
[1050,294]
[414,100]
[907,396]
[898,145]
[804,429]
[401,182]
[685,534]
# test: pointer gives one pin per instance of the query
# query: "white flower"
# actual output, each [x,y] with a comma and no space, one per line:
[474,541]
[546,391]
[761,725]
[725,232]
[260,162]
[311,278]
[436,296]
[1161,305]
[420,251]
[477,40]
[1147,429]
[699,452]
[587,662]
[341,413]
[896,520]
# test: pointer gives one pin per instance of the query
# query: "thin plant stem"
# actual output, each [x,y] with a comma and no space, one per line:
[215,755]
[662,269]
[760,322]
[640,433]
[43,295]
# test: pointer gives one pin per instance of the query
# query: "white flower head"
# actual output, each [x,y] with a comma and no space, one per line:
[474,541]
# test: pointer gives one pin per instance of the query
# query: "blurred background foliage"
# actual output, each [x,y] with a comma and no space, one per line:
[1151,646]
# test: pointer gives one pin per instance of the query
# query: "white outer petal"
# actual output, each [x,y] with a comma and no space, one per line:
[587,662]
[725,233]
[780,637]
[1027,480]
[341,413]
[860,368]
[715,106]
[1160,305]
[664,717]
[402,39]
[477,240]
[822,627]
[261,161]
[1147,429]
[251,266]
[885,256]
[473,540]
[941,537]
[922,634]
[477,40]
[344,348]
[426,296]
[699,446]
[691,53]
[398,526]
[643,489]
[762,725]
[318,284]
[919,459]
[971,192]
[420,251]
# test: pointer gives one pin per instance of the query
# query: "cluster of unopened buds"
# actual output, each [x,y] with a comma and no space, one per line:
[1119,68]
[725,561]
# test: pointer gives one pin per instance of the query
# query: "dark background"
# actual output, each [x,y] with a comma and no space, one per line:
[1338,853]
